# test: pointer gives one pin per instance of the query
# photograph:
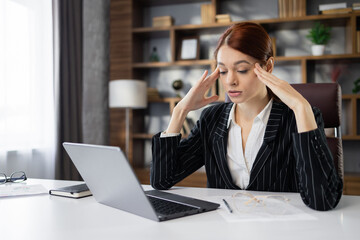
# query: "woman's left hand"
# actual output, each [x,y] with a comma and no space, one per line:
[293,99]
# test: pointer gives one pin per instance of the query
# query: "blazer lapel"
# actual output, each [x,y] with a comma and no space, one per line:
[270,134]
[220,138]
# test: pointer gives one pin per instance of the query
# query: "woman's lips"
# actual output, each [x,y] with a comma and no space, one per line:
[234,93]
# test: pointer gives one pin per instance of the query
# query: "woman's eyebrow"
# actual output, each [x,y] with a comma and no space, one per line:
[241,61]
[236,63]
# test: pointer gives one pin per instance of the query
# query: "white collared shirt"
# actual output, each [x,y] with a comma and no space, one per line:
[240,164]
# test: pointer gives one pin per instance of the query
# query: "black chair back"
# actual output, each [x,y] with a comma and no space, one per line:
[327,97]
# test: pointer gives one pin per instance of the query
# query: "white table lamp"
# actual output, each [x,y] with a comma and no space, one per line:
[128,94]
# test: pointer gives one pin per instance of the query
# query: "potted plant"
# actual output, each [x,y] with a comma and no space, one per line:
[356,88]
[319,35]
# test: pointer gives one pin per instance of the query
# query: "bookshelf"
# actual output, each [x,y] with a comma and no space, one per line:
[130,35]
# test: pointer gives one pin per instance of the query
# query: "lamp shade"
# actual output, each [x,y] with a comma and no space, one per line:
[127,94]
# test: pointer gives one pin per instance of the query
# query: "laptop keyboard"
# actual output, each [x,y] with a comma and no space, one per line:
[167,207]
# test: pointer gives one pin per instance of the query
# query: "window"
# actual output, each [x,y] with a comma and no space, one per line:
[26,75]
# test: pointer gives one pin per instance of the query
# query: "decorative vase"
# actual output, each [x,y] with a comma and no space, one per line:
[317,50]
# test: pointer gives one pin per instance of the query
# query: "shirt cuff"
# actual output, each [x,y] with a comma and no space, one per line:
[164,134]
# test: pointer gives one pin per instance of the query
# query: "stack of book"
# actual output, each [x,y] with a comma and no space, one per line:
[153,94]
[207,13]
[334,8]
[292,8]
[163,21]
[356,7]
[223,18]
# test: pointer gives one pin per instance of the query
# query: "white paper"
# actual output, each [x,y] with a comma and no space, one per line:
[19,189]
[273,211]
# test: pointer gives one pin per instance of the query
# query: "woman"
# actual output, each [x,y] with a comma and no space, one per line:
[268,139]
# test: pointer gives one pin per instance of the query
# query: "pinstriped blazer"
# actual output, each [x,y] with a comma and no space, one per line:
[286,162]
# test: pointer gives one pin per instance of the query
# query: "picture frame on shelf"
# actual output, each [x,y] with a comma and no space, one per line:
[189,48]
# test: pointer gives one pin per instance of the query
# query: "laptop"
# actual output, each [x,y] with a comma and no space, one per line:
[112,182]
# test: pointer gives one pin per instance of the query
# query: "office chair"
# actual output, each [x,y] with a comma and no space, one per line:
[326,97]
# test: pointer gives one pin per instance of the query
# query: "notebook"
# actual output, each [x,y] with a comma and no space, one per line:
[75,191]
[112,182]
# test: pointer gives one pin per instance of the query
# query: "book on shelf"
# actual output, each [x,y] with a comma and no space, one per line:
[356,7]
[163,21]
[223,18]
[291,8]
[281,9]
[207,13]
[337,11]
[331,6]
[356,4]
[302,8]
[75,191]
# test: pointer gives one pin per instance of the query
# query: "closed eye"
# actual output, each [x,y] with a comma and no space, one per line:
[243,71]
[223,73]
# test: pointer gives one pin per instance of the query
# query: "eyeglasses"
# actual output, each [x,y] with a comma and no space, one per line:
[246,202]
[15,177]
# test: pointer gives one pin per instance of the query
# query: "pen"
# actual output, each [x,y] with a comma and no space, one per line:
[228,206]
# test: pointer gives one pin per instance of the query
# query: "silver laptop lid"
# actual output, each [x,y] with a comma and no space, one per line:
[110,178]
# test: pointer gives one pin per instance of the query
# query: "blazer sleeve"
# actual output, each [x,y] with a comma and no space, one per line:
[319,184]
[174,159]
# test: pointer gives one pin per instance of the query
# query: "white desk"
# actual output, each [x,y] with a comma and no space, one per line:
[50,217]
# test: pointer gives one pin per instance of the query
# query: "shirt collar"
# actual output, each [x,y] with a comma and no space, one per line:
[263,116]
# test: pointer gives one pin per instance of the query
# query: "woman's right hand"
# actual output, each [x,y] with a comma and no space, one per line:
[196,98]
[193,100]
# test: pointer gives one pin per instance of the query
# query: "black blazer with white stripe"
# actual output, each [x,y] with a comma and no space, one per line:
[286,162]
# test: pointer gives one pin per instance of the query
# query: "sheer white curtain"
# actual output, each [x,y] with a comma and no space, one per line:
[27,111]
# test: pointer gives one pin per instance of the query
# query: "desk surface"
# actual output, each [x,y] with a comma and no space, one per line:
[51,217]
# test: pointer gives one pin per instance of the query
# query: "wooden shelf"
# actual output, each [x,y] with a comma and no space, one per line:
[127,62]
[208,62]
[351,183]
[276,21]
[351,96]
[352,175]
[189,63]
[150,29]
[323,57]
[350,138]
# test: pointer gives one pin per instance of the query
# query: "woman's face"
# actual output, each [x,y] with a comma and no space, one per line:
[238,77]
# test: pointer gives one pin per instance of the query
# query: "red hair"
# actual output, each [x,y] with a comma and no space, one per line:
[248,38]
